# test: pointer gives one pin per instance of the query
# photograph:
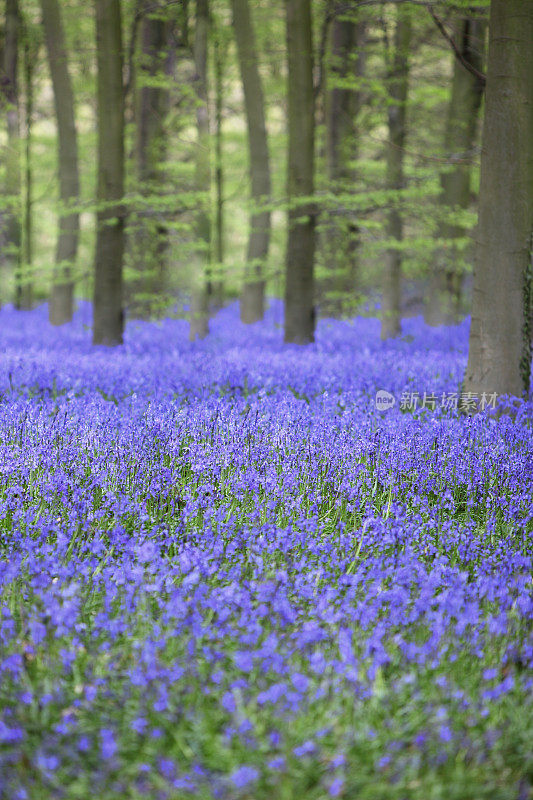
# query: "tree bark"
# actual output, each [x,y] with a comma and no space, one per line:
[108,319]
[398,83]
[217,268]
[499,357]
[61,303]
[150,239]
[30,56]
[219,58]
[199,322]
[12,184]
[343,102]
[299,264]
[252,301]
[444,298]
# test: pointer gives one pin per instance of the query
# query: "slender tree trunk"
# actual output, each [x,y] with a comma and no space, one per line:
[199,323]
[30,55]
[299,265]
[108,319]
[219,59]
[150,240]
[219,176]
[398,81]
[444,297]
[499,357]
[61,304]
[343,102]
[253,291]
[12,185]
[153,99]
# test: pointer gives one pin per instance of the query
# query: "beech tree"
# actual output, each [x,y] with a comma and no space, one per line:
[446,277]
[398,82]
[31,48]
[252,294]
[153,100]
[220,52]
[342,105]
[12,180]
[499,356]
[108,315]
[199,322]
[300,254]
[60,306]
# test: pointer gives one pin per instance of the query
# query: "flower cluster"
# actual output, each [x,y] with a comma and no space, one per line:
[224,573]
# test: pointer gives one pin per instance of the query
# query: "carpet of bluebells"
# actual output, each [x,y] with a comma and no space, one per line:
[225,573]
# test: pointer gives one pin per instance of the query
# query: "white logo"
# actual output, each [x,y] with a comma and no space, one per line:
[384,400]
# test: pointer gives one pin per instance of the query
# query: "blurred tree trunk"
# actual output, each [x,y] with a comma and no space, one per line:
[199,323]
[398,82]
[12,180]
[31,51]
[444,297]
[108,319]
[252,303]
[220,52]
[150,239]
[61,303]
[343,102]
[299,265]
[499,357]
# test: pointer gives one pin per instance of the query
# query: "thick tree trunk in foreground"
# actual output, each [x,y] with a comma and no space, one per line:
[150,237]
[253,290]
[199,323]
[299,265]
[444,297]
[12,181]
[108,316]
[60,306]
[499,357]
[343,102]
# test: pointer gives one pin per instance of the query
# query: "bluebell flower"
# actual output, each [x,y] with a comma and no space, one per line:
[244,776]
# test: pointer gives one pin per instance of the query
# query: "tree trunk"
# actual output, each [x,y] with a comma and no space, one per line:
[199,323]
[219,171]
[217,287]
[499,357]
[343,102]
[150,239]
[398,81]
[252,302]
[30,56]
[444,298]
[61,303]
[108,319]
[299,265]
[12,185]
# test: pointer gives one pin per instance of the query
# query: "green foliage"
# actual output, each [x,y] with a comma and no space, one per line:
[173,202]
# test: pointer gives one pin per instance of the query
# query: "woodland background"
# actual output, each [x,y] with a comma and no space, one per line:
[164,158]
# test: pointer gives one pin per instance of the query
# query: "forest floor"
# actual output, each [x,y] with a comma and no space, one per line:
[225,573]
